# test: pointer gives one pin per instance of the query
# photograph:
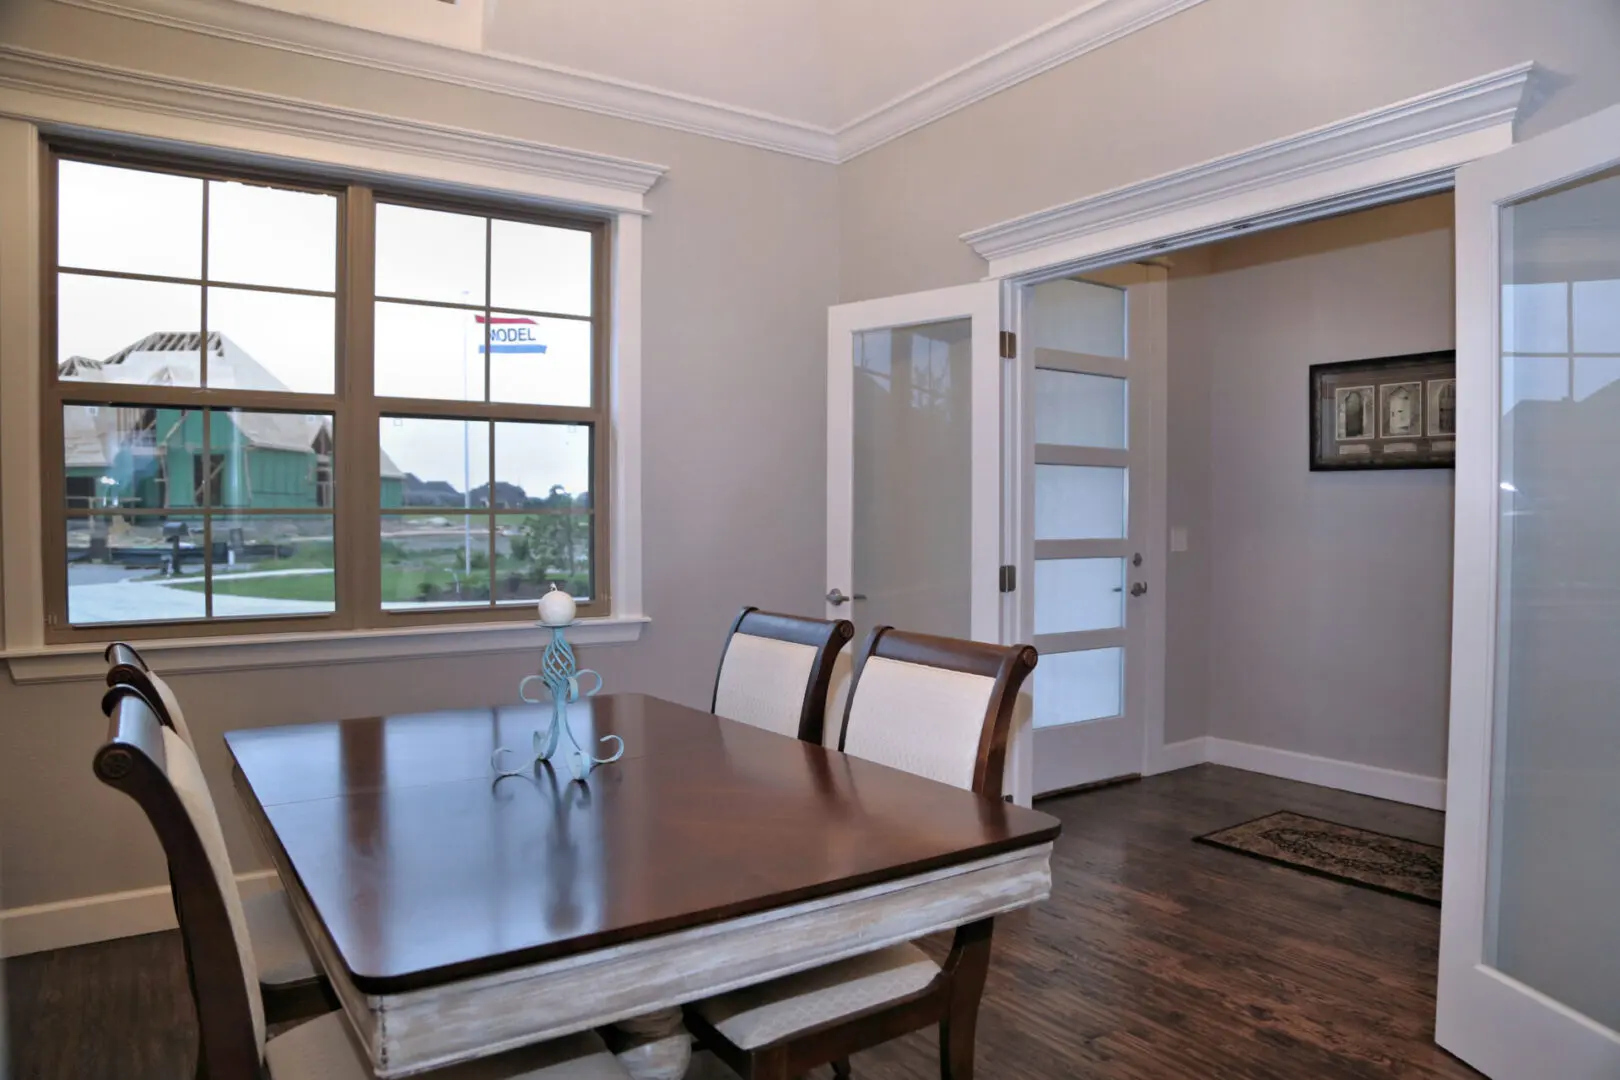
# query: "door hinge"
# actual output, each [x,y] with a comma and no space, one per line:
[1009,344]
[1009,578]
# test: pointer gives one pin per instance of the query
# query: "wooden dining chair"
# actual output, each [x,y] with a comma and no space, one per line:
[939,708]
[125,665]
[289,979]
[148,761]
[776,669]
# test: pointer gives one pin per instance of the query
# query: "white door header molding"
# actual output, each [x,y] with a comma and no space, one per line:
[63,92]
[271,24]
[1410,147]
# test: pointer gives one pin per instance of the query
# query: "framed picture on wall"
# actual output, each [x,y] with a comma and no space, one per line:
[1392,412]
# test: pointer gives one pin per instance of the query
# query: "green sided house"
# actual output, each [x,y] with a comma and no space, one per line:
[162,458]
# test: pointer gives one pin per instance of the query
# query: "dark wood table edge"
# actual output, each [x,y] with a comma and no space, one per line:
[384,985]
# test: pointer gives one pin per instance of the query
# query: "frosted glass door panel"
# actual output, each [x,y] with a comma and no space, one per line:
[1596,306]
[1077,316]
[1074,687]
[1079,594]
[1079,502]
[1555,911]
[912,454]
[1075,409]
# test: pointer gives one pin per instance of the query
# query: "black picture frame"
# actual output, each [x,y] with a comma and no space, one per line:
[1388,412]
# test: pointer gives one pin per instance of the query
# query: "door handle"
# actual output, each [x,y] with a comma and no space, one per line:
[1139,589]
[835,597]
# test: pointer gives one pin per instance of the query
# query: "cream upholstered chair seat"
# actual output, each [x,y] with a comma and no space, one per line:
[155,766]
[759,1015]
[776,669]
[325,1049]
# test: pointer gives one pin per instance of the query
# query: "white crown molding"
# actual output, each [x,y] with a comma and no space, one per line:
[1099,23]
[67,92]
[1401,149]
[492,72]
[1096,24]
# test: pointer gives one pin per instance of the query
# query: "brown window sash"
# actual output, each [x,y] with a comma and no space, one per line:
[346,479]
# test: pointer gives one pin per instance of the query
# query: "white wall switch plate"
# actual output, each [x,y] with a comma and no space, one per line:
[1178,538]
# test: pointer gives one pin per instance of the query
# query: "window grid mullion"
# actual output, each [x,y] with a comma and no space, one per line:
[207,504]
[165,279]
[410,301]
[489,382]
[202,340]
[489,502]
[358,506]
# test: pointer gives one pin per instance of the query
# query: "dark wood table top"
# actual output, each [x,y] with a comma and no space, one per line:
[424,869]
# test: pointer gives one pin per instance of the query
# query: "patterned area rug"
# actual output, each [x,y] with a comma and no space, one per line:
[1358,856]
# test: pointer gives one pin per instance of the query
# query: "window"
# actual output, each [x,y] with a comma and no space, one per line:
[280,404]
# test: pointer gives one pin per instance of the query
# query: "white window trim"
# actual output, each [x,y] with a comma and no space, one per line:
[41,93]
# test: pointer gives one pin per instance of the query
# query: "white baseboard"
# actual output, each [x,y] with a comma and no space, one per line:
[65,923]
[1402,787]
[1177,755]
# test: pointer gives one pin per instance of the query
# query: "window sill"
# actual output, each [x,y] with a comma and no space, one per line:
[72,663]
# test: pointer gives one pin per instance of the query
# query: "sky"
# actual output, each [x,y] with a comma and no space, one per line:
[152,223]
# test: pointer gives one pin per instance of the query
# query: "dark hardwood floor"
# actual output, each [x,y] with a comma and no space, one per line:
[1155,958]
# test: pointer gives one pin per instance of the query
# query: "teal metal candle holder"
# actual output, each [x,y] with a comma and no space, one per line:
[561,674]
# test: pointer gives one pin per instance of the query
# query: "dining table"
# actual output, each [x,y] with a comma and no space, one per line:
[459,913]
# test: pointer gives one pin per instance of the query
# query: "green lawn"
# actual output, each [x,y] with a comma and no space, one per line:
[314,587]
[399,585]
[409,575]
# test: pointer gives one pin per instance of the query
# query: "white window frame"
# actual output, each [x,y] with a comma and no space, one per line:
[43,94]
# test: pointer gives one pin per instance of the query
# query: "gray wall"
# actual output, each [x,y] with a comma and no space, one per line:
[1312,611]
[1213,80]
[739,270]
[740,265]
[1189,497]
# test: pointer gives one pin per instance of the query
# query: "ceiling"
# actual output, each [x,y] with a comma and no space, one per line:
[825,63]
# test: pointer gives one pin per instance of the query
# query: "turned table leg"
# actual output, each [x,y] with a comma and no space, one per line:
[655,1046]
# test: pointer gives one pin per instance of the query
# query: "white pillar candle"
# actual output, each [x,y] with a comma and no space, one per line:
[557,608]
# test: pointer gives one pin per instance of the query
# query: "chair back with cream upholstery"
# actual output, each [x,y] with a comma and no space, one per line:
[935,706]
[154,766]
[127,667]
[776,669]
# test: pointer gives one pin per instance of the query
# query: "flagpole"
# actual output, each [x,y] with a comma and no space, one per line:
[466,470]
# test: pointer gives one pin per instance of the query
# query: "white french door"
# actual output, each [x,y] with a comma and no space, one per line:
[914,462]
[1530,925]
[1092,354]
